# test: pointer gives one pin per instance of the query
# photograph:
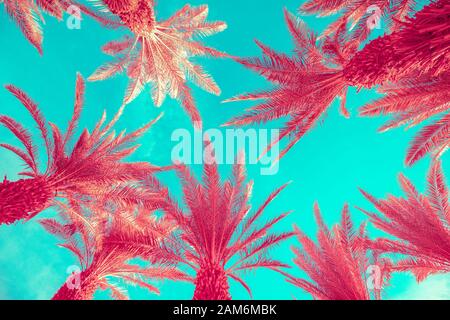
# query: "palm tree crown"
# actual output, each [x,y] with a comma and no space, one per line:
[306,84]
[159,52]
[90,166]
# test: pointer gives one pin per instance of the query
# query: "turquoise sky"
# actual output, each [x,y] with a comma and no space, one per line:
[326,166]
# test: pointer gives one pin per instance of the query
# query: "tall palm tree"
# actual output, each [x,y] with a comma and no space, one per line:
[160,52]
[306,84]
[90,166]
[420,222]
[338,266]
[220,235]
[105,241]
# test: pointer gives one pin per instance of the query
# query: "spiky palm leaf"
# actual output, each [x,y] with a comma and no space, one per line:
[160,52]
[90,166]
[359,13]
[27,14]
[338,265]
[104,242]
[220,235]
[413,101]
[420,222]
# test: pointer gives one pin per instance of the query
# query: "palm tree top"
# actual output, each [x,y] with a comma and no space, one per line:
[160,52]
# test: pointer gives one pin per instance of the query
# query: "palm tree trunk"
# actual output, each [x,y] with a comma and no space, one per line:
[211,283]
[80,286]
[23,199]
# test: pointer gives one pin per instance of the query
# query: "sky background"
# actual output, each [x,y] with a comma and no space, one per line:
[327,165]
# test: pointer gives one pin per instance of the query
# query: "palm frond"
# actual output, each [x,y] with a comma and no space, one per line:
[336,266]
[419,222]
[304,84]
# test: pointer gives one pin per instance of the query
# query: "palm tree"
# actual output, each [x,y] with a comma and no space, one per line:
[306,84]
[220,234]
[159,52]
[338,265]
[105,241]
[90,166]
[28,15]
[420,222]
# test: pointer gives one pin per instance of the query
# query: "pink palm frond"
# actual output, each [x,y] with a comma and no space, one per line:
[421,223]
[411,102]
[220,234]
[27,14]
[160,52]
[338,265]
